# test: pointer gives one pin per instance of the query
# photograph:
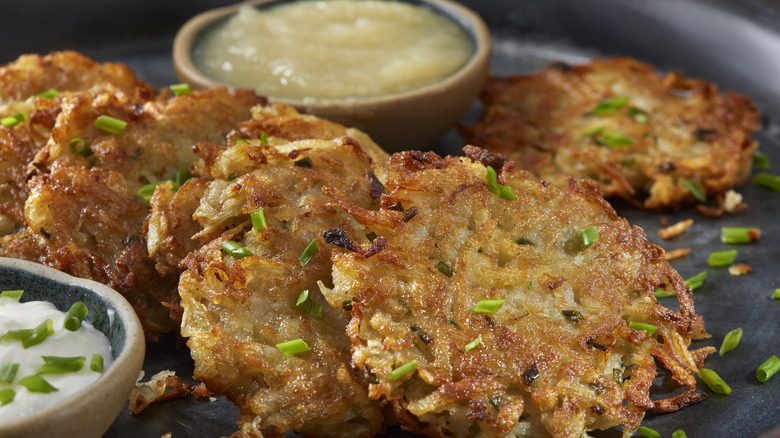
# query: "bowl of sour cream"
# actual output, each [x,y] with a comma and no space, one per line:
[403,71]
[70,352]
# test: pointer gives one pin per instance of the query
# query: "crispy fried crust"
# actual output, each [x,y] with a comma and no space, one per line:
[558,358]
[546,123]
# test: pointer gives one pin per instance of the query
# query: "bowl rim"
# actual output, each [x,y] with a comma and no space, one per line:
[130,356]
[465,18]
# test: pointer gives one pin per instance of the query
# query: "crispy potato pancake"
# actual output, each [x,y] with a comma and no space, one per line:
[556,355]
[642,136]
[237,309]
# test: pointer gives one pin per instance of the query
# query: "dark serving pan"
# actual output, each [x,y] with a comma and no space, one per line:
[733,43]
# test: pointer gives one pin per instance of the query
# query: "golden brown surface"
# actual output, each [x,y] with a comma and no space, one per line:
[678,128]
[558,358]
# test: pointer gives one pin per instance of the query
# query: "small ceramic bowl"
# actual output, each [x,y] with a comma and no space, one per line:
[89,413]
[409,120]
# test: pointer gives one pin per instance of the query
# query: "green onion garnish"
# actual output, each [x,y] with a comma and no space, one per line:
[11,121]
[8,372]
[403,370]
[524,241]
[16,335]
[767,181]
[235,249]
[722,258]
[648,433]
[96,363]
[75,316]
[649,328]
[695,187]
[474,343]
[6,396]
[61,365]
[589,235]
[263,138]
[110,124]
[36,383]
[572,315]
[696,281]
[293,347]
[181,89]
[761,160]
[308,253]
[347,304]
[713,380]
[593,131]
[308,305]
[768,369]
[11,294]
[637,114]
[730,341]
[181,177]
[488,306]
[503,192]
[241,140]
[609,106]
[445,269]
[39,334]
[258,219]
[146,192]
[776,294]
[614,139]
[78,146]
[51,93]
[660,293]
[679,433]
[737,235]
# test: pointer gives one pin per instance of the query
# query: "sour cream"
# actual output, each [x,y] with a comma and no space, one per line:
[333,49]
[84,342]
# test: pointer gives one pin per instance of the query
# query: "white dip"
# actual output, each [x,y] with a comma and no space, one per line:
[333,49]
[83,342]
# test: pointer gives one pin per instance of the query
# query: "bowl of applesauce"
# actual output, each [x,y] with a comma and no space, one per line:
[403,71]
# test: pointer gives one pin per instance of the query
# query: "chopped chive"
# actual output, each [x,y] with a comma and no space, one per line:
[637,114]
[474,343]
[648,433]
[589,235]
[258,219]
[6,396]
[649,328]
[768,369]
[660,293]
[737,235]
[110,124]
[488,306]
[231,176]
[39,334]
[16,335]
[180,89]
[241,140]
[181,177]
[96,363]
[524,241]
[593,131]
[776,294]
[263,138]
[146,192]
[11,121]
[610,105]
[695,187]
[572,315]
[679,433]
[293,347]
[722,258]
[730,341]
[445,269]
[767,181]
[614,139]
[235,249]
[760,159]
[78,146]
[308,305]
[11,294]
[36,383]
[403,370]
[503,192]
[347,304]
[61,365]
[696,281]
[308,253]
[714,382]
[51,93]
[8,372]
[76,314]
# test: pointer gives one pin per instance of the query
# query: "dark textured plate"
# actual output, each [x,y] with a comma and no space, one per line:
[733,43]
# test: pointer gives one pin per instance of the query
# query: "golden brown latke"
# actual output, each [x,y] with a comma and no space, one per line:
[236,310]
[658,131]
[558,357]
